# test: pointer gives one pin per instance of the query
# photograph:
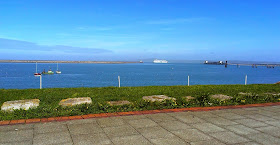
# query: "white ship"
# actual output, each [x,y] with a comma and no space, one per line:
[160,61]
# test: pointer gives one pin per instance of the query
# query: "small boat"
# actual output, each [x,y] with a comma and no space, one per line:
[57,71]
[37,74]
[49,72]
[160,61]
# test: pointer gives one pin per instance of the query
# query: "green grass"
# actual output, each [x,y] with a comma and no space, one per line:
[50,98]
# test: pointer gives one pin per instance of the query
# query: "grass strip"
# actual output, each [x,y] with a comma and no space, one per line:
[50,97]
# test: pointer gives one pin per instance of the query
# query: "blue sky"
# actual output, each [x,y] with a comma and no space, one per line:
[133,30]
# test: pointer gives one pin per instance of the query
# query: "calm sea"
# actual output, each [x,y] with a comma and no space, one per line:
[20,75]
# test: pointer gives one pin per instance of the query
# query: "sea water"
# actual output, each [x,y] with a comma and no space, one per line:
[20,75]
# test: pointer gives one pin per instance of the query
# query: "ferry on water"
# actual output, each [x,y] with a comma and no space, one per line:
[160,61]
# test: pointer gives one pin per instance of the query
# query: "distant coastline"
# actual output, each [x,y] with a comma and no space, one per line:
[59,61]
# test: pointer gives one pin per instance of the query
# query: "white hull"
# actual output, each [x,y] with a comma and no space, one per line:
[58,71]
[160,61]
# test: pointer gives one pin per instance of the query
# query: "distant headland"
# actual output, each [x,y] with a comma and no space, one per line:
[62,61]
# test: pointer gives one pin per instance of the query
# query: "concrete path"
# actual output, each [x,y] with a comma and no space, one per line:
[259,125]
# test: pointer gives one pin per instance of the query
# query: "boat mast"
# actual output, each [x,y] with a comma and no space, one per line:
[36,66]
[57,66]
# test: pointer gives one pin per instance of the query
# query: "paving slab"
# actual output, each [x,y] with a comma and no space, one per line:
[230,116]
[202,115]
[174,114]
[90,139]
[250,122]
[207,142]
[264,139]
[260,117]
[274,123]
[67,143]
[271,130]
[220,121]
[88,128]
[110,122]
[276,117]
[16,127]
[168,141]
[251,109]
[241,111]
[270,108]
[174,125]
[16,136]
[221,111]
[119,131]
[134,117]
[26,142]
[207,127]
[241,129]
[52,138]
[249,143]
[140,123]
[131,140]
[81,121]
[229,137]
[267,113]
[160,117]
[155,132]
[192,135]
[189,119]
[49,127]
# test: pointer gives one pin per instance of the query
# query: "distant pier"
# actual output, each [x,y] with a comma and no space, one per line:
[256,65]
[242,64]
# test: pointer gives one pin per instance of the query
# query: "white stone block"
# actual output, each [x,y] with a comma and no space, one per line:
[159,98]
[75,101]
[20,104]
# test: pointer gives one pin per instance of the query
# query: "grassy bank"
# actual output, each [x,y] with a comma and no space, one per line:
[50,98]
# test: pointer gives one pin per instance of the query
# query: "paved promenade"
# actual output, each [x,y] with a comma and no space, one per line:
[247,126]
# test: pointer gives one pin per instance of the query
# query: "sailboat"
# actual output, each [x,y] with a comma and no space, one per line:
[58,71]
[37,74]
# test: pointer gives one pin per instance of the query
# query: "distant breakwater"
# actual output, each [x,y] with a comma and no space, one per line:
[56,61]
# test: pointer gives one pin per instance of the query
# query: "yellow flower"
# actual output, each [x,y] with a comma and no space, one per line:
[243,101]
